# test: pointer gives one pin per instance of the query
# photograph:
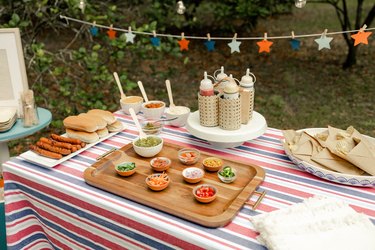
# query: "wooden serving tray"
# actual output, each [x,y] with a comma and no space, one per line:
[177,198]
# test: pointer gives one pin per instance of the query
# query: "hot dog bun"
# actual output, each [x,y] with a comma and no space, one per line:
[88,137]
[97,120]
[80,123]
[115,127]
[106,115]
[102,132]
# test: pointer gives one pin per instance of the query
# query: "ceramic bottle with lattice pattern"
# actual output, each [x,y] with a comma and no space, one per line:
[247,96]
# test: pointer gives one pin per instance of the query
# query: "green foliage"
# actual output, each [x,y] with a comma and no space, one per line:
[77,73]
[226,15]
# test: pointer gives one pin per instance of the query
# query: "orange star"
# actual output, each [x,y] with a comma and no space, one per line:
[111,34]
[361,37]
[264,46]
[184,44]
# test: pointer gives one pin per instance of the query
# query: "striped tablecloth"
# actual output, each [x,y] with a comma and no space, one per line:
[55,208]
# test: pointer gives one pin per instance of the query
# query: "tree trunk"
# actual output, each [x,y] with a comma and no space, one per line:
[351,56]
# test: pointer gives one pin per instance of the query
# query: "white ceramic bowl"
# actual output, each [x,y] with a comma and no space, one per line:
[153,113]
[181,112]
[134,102]
[148,151]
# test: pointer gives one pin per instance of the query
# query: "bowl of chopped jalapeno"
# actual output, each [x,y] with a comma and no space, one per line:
[126,168]
[148,146]
[227,174]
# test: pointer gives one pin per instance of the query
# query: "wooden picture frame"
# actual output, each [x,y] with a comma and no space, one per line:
[13,78]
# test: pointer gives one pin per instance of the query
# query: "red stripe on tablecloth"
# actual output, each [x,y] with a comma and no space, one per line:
[366,211]
[241,230]
[287,190]
[21,204]
[26,232]
[107,214]
[89,154]
[72,171]
[36,242]
[264,207]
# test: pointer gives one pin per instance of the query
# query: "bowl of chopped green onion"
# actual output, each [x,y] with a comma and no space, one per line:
[227,174]
[126,168]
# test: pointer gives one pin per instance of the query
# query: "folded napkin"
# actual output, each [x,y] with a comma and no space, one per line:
[343,151]
[316,223]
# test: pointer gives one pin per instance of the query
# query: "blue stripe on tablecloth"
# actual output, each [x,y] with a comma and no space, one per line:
[82,214]
[264,152]
[25,212]
[26,241]
[262,137]
[324,184]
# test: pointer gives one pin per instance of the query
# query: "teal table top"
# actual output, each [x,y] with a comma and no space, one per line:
[18,131]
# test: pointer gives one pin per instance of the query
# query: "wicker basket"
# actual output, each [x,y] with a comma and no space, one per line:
[230,113]
[208,110]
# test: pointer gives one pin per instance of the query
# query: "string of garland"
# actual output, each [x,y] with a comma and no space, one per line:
[360,37]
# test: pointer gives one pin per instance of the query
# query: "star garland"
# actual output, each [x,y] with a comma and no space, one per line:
[360,37]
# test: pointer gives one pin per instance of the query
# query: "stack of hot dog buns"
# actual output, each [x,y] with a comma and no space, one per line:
[57,146]
[91,126]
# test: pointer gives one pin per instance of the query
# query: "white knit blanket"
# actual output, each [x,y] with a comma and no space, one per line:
[317,223]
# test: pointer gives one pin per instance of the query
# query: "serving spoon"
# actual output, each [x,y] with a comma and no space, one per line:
[142,134]
[140,85]
[170,96]
[117,79]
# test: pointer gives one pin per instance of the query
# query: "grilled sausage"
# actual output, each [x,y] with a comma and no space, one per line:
[45,153]
[51,148]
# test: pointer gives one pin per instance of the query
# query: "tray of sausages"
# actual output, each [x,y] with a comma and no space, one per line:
[49,152]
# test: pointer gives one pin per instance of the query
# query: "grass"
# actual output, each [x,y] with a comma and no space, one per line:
[294,90]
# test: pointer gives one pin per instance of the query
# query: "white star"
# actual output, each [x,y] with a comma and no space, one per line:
[323,42]
[129,37]
[234,46]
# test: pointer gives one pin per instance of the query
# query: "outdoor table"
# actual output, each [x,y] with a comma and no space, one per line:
[56,208]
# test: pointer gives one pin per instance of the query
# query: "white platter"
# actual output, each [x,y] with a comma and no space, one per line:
[42,161]
[347,179]
[220,138]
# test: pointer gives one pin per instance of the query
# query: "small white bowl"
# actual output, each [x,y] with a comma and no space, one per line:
[153,113]
[148,151]
[134,102]
[151,127]
[181,112]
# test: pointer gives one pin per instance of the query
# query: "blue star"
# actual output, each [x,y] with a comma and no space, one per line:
[295,44]
[94,31]
[210,45]
[155,41]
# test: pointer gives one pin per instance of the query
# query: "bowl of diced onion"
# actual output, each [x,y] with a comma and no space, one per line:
[193,174]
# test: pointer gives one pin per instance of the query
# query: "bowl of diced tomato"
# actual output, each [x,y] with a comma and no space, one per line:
[205,193]
[160,163]
[158,182]
[188,156]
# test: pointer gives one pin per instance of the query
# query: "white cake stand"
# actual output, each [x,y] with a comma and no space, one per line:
[221,138]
